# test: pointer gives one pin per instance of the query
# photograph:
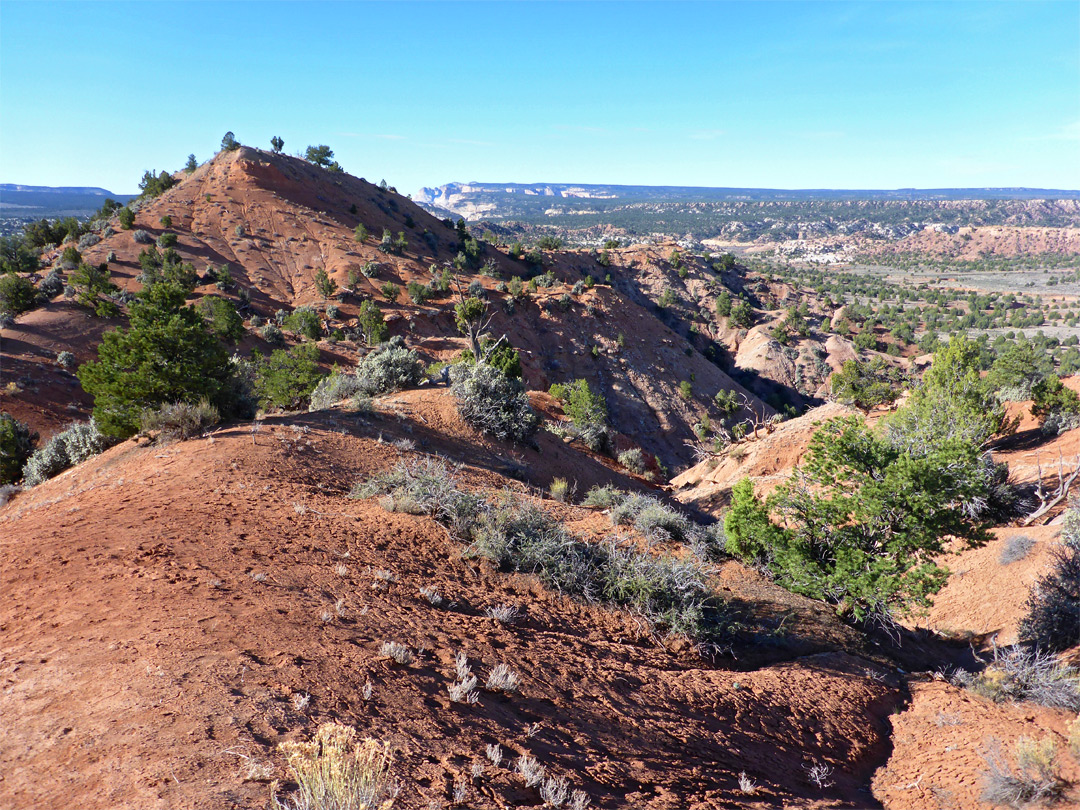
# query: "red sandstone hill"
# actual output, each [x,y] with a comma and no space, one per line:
[174,612]
[275,221]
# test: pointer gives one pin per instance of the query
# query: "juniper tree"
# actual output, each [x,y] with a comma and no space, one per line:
[321,155]
[166,355]
[861,523]
[325,285]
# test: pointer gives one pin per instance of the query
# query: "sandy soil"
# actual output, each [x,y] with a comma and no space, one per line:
[167,605]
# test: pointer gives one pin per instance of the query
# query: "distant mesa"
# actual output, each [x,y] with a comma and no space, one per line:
[52,201]
[476,200]
[87,190]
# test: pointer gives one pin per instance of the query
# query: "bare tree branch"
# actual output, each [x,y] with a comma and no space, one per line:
[1048,500]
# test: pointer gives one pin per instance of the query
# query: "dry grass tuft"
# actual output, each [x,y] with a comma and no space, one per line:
[397,652]
[502,679]
[463,690]
[337,771]
[530,770]
[1034,780]
[504,613]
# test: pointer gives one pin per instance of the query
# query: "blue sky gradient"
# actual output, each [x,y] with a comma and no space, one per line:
[766,94]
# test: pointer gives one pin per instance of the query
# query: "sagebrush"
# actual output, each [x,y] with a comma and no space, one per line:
[336,770]
[71,446]
[493,403]
[670,591]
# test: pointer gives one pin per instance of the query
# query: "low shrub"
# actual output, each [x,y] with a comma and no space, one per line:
[337,770]
[559,490]
[180,420]
[652,518]
[1036,779]
[633,460]
[1019,674]
[428,487]
[1052,612]
[708,543]
[332,389]
[1016,548]
[72,446]
[1057,422]
[669,592]
[50,286]
[493,403]
[66,360]
[389,367]
[272,335]
[88,240]
[604,497]
[587,411]
[519,536]
[397,652]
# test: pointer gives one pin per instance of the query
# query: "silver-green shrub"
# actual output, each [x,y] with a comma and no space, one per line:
[493,403]
[389,367]
[66,449]
[334,388]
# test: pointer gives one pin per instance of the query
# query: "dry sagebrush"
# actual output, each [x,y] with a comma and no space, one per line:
[336,770]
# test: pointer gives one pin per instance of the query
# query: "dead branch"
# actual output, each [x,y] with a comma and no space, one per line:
[1048,500]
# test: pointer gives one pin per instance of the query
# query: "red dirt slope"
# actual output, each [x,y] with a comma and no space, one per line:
[275,221]
[168,608]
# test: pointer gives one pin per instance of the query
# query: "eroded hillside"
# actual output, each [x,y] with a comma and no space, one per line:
[275,221]
[201,602]
[176,611]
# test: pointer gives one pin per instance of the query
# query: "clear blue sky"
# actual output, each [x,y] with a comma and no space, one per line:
[764,94]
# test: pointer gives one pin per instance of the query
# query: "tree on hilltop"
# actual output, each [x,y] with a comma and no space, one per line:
[229,142]
[277,144]
[321,155]
[153,185]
